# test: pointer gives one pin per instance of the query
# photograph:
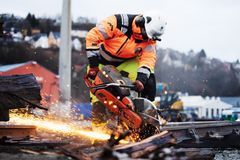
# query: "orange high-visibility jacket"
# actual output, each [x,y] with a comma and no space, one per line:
[115,38]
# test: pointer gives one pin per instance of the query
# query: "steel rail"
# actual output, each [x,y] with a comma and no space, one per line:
[198,130]
[17,131]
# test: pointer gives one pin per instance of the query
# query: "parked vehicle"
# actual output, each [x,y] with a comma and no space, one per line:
[231,114]
[170,104]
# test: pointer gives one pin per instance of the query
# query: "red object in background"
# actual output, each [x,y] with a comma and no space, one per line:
[48,80]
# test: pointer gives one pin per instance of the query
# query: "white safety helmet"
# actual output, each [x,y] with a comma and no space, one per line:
[154,25]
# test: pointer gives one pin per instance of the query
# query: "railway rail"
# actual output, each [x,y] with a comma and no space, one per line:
[183,137]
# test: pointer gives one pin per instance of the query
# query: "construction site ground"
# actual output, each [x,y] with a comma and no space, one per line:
[65,140]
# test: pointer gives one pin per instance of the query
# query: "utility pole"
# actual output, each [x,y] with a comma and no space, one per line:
[65,53]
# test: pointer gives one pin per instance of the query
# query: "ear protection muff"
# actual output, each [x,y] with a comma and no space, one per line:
[148,19]
[140,22]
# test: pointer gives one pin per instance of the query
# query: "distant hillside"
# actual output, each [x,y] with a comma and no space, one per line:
[195,73]
[191,72]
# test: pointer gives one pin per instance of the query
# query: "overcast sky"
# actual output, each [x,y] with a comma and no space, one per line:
[212,25]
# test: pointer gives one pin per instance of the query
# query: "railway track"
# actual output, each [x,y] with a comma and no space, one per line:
[182,135]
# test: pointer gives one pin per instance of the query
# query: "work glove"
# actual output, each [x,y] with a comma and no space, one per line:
[150,88]
[138,86]
[92,72]
[93,58]
[140,82]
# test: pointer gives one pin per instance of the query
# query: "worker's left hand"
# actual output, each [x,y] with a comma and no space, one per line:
[92,72]
[138,86]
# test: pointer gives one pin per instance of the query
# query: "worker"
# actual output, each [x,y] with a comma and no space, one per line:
[129,43]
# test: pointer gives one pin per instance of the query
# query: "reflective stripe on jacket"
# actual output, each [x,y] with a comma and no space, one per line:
[117,43]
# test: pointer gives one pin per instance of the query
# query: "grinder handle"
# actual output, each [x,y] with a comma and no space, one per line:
[105,85]
[88,81]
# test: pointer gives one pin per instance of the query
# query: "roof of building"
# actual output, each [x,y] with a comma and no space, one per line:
[235,101]
[8,67]
[5,68]
[37,36]
[198,101]
[56,35]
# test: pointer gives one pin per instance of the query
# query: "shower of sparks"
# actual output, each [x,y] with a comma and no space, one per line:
[56,126]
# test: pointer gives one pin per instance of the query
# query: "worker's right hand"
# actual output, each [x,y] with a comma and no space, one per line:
[92,72]
[138,86]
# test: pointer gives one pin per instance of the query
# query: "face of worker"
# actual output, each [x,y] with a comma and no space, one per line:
[140,34]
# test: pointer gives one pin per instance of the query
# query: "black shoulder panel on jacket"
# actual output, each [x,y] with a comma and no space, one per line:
[120,23]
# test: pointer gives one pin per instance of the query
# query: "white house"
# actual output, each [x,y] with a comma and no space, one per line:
[76,44]
[205,107]
[79,33]
[17,37]
[54,39]
[42,42]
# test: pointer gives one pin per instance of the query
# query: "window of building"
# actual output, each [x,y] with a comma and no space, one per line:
[206,112]
[217,112]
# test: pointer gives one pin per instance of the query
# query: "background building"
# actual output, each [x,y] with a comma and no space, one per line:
[205,108]
[47,80]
